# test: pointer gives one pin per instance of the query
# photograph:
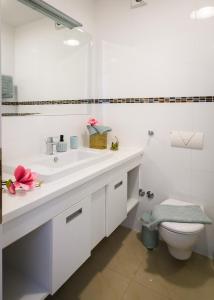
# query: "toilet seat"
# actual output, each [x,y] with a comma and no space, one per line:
[182,228]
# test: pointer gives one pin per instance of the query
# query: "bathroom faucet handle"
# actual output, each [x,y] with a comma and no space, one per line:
[50,143]
[52,140]
[49,139]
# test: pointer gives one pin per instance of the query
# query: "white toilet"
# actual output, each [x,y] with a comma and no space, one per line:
[180,237]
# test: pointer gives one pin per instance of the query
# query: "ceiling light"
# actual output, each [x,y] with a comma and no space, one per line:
[72,43]
[79,29]
[203,13]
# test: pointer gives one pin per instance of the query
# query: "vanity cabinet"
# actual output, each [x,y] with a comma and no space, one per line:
[58,237]
[71,242]
[98,216]
[116,203]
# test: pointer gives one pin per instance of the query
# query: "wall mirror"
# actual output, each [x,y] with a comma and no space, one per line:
[45,60]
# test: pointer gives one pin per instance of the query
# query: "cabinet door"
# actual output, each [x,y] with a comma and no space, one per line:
[98,216]
[71,242]
[116,201]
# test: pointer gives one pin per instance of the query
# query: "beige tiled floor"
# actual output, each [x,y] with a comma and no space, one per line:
[120,268]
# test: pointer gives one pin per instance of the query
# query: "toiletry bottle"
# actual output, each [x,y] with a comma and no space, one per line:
[61,146]
[74,144]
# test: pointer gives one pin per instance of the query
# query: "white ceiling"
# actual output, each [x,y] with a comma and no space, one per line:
[16,14]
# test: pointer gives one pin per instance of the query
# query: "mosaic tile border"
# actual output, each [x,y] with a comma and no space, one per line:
[116,101]
[19,114]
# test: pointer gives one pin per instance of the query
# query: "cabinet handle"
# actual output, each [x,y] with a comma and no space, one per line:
[74,215]
[118,185]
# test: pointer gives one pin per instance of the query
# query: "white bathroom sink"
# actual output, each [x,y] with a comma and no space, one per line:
[53,167]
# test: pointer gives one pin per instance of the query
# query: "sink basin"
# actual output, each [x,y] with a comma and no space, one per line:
[53,167]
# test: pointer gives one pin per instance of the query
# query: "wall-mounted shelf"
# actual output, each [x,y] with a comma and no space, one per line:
[26,266]
[131,203]
[20,287]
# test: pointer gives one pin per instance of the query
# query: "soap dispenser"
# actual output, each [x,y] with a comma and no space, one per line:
[61,146]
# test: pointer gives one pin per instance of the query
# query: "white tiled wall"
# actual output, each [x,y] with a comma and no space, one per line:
[169,172]
[158,51]
[25,136]
[7,49]
[154,50]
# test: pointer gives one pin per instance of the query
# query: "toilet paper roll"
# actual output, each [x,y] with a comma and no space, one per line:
[187,139]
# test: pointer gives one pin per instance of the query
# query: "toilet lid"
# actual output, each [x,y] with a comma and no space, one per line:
[184,228]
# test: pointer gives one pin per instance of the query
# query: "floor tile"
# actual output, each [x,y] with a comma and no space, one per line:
[125,262]
[139,292]
[122,252]
[154,281]
[120,268]
[104,285]
[187,285]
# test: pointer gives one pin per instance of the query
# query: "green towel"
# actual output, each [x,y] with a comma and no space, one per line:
[98,129]
[174,213]
[7,86]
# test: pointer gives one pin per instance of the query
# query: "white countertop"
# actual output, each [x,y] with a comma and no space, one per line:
[14,206]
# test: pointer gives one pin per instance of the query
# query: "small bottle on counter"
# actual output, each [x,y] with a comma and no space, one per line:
[61,146]
[74,143]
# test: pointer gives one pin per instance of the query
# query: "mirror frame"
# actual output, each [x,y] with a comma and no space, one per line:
[49,11]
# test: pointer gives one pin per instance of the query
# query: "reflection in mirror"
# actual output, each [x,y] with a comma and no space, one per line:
[46,66]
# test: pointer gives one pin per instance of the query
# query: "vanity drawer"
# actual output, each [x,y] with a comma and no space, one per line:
[98,216]
[116,203]
[71,238]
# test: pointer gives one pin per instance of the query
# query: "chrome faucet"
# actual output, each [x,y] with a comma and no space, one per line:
[50,145]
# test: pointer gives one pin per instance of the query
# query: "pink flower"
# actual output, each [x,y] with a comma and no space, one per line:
[10,186]
[25,179]
[92,122]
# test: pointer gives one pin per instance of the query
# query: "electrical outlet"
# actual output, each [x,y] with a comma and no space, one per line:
[137,3]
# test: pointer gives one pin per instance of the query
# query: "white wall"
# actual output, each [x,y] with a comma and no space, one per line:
[154,51]
[169,172]
[25,136]
[7,49]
